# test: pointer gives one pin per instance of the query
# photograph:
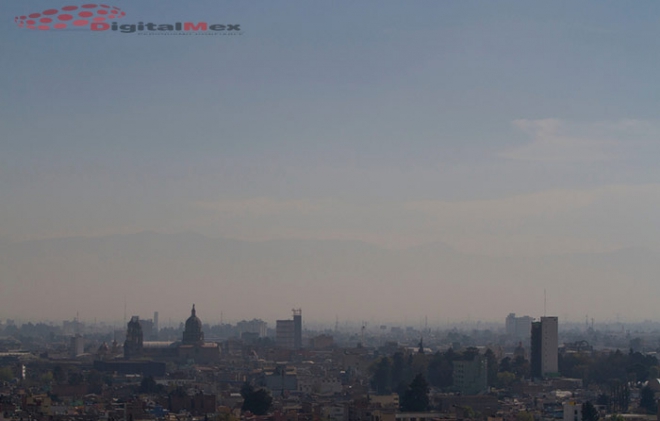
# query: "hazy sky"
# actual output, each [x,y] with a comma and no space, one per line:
[508,129]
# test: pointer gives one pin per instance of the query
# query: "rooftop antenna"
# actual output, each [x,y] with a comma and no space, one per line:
[545,303]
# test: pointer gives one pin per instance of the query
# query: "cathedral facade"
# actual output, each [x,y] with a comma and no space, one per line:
[192,347]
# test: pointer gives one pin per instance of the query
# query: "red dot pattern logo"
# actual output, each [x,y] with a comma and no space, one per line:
[70,17]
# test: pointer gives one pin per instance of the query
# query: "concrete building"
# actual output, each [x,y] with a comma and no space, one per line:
[288,333]
[156,327]
[297,329]
[471,377]
[572,411]
[77,346]
[518,327]
[281,380]
[322,342]
[284,334]
[256,326]
[545,346]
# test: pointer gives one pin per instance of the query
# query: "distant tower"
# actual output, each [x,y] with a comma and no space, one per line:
[156,327]
[288,333]
[545,345]
[77,345]
[133,344]
[297,328]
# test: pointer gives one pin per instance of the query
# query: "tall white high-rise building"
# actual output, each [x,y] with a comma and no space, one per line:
[545,347]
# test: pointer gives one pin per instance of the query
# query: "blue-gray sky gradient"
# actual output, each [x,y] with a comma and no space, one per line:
[507,129]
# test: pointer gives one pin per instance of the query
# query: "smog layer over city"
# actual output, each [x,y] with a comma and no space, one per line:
[343,211]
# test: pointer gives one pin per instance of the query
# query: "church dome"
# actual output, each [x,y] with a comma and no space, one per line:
[193,321]
[193,331]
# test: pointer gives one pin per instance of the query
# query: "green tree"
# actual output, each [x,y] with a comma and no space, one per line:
[505,365]
[647,400]
[257,401]
[47,377]
[470,353]
[416,398]
[246,389]
[575,365]
[589,412]
[640,365]
[619,396]
[76,378]
[6,374]
[491,366]
[440,369]
[604,400]
[94,380]
[524,416]
[521,367]
[654,372]
[419,363]
[381,379]
[59,374]
[398,368]
[467,412]
[505,379]
[149,385]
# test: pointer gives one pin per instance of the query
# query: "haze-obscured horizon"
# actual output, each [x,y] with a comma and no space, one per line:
[372,159]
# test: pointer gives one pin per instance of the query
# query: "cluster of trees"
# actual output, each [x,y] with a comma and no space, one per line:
[394,374]
[606,368]
[95,380]
[509,371]
[416,396]
[610,370]
[647,400]
[589,412]
[41,330]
